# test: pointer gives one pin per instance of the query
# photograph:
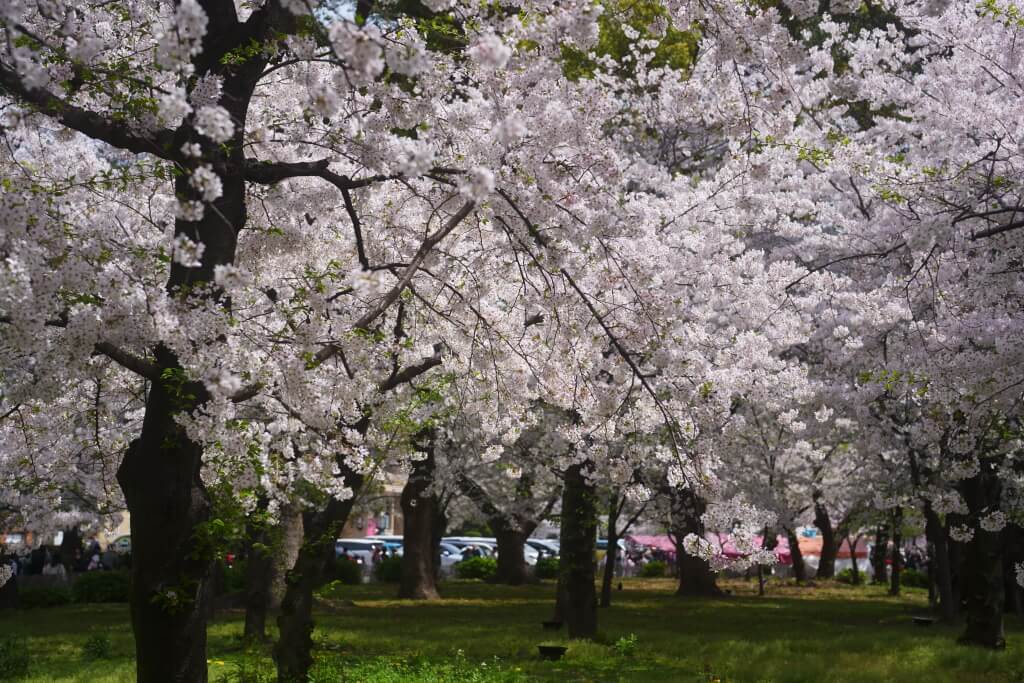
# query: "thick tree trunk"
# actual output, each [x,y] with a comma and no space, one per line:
[829,543]
[984,564]
[939,563]
[612,555]
[288,540]
[512,569]
[897,557]
[695,576]
[799,568]
[578,538]
[160,472]
[259,571]
[168,502]
[419,511]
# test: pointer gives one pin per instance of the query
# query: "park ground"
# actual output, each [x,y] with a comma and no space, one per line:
[483,634]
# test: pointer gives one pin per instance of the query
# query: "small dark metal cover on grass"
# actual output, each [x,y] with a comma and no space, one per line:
[924,621]
[551,625]
[551,652]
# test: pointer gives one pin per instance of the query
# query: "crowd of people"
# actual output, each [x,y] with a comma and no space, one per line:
[54,560]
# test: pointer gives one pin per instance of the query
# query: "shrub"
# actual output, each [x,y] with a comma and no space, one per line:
[347,571]
[388,570]
[654,569]
[547,568]
[913,578]
[476,568]
[96,647]
[626,646]
[13,659]
[102,587]
[43,596]
[846,576]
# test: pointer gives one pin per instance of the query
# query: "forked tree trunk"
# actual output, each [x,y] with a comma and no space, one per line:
[983,564]
[829,543]
[851,544]
[576,564]
[695,576]
[419,512]
[510,530]
[294,650]
[799,568]
[939,563]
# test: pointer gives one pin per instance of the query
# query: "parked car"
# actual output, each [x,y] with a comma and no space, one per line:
[471,547]
[548,546]
[450,555]
[364,552]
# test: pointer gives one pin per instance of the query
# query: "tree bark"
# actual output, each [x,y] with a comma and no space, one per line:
[897,558]
[939,563]
[983,564]
[576,564]
[160,472]
[259,570]
[511,569]
[294,650]
[878,555]
[829,544]
[851,544]
[287,543]
[168,502]
[799,568]
[419,511]
[695,576]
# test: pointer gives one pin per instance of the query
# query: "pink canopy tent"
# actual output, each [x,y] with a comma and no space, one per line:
[728,549]
[659,542]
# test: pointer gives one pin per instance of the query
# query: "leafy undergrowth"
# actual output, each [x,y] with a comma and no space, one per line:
[481,633]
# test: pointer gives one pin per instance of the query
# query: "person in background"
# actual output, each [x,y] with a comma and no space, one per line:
[55,568]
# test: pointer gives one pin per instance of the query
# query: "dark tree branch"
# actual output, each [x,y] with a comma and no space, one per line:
[136,364]
[96,126]
[411,372]
[271,172]
[997,230]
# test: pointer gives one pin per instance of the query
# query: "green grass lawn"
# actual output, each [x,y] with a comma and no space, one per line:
[490,633]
